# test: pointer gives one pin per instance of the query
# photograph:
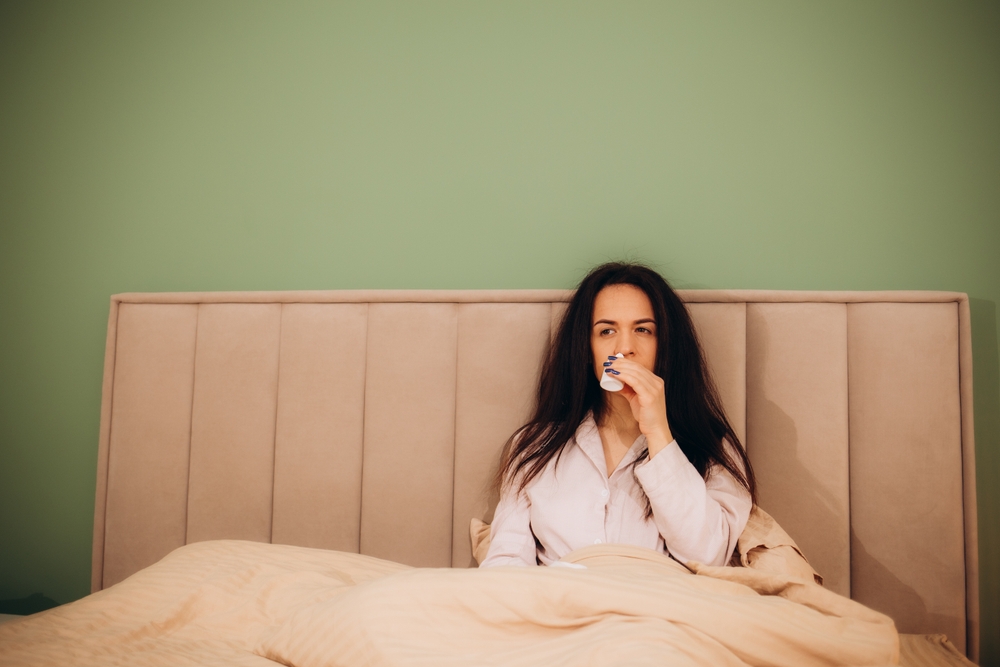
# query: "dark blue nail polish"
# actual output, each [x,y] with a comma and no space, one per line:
[612,358]
[607,363]
[608,370]
[613,371]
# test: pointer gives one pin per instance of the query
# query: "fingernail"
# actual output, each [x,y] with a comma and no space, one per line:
[612,358]
[613,371]
[607,363]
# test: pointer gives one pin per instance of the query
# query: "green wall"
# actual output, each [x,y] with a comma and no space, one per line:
[297,145]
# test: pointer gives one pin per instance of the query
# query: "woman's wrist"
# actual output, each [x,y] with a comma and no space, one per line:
[658,441]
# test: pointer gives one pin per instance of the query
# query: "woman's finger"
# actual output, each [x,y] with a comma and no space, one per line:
[645,392]
[637,377]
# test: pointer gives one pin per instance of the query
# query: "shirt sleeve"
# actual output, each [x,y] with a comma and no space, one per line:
[700,520]
[511,539]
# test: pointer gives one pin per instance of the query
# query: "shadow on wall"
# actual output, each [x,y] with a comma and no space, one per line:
[818,511]
[823,507]
[805,505]
[32,604]
[897,599]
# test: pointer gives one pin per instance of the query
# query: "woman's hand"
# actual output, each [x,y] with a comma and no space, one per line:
[645,393]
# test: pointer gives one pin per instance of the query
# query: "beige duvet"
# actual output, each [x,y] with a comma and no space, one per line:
[244,603]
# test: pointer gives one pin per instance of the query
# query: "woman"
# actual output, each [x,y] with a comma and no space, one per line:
[655,464]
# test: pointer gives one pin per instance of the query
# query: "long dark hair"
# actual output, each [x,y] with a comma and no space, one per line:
[568,389]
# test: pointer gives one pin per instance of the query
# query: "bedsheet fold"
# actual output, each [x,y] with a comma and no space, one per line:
[245,603]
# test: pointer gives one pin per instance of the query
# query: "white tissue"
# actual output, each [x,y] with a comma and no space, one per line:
[609,382]
[567,564]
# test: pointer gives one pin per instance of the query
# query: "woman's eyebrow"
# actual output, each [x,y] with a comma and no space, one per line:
[647,320]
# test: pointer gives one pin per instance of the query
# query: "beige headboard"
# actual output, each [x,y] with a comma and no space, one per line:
[371,421]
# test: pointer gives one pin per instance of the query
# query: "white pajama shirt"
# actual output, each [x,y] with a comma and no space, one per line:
[575,503]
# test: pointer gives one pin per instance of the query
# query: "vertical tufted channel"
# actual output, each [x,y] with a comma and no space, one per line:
[320,430]
[500,350]
[409,441]
[151,412]
[722,332]
[797,427]
[232,422]
[907,534]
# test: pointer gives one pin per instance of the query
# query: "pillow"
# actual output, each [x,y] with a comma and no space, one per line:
[479,531]
[765,546]
[762,546]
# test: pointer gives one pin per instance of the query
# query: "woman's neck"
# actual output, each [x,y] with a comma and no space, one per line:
[617,415]
[618,429]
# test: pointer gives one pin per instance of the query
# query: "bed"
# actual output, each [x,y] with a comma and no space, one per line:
[304,444]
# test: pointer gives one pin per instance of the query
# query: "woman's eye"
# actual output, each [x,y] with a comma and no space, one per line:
[644,330]
[606,332]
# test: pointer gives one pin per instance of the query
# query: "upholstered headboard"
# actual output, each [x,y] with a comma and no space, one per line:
[371,421]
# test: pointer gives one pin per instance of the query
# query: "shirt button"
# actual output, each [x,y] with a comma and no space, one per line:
[597,541]
[604,493]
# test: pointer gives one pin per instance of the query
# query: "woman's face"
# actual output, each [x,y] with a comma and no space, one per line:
[623,322]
